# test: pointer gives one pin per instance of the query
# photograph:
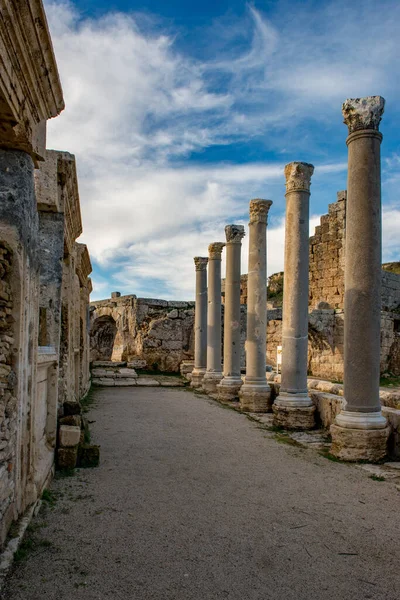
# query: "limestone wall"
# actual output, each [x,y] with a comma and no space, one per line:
[326,273]
[156,331]
[42,271]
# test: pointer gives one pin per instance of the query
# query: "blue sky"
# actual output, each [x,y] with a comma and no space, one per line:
[178,116]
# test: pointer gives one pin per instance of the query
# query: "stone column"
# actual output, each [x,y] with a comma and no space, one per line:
[294,409]
[360,431]
[200,322]
[232,382]
[214,342]
[255,394]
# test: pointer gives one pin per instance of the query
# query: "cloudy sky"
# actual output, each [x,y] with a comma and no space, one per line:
[180,112]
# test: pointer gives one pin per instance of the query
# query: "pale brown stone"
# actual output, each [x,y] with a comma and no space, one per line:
[294,417]
[359,444]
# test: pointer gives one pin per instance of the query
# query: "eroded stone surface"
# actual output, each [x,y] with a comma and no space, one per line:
[359,444]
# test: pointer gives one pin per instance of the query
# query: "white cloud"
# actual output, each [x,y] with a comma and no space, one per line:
[137,107]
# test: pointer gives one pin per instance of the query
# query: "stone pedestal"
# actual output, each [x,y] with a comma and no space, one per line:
[213,373]
[293,408]
[200,323]
[232,382]
[255,394]
[360,430]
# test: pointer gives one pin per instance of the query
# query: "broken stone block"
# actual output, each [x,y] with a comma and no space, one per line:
[125,382]
[147,381]
[127,372]
[89,455]
[137,364]
[71,420]
[108,363]
[67,458]
[72,408]
[69,436]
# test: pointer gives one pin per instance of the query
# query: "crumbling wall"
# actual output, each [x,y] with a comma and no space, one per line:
[8,399]
[156,331]
[326,274]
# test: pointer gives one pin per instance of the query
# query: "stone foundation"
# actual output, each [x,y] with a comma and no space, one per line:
[291,417]
[359,444]
[255,398]
[228,391]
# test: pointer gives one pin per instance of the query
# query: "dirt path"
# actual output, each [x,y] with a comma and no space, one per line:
[194,501]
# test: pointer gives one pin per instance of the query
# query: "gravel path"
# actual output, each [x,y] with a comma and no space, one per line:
[194,501]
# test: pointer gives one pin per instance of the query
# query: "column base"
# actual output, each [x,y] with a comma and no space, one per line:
[294,411]
[359,444]
[197,377]
[255,397]
[210,381]
[360,436]
[228,389]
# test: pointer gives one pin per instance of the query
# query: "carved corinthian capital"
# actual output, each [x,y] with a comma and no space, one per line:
[259,210]
[363,113]
[298,177]
[215,250]
[200,263]
[234,234]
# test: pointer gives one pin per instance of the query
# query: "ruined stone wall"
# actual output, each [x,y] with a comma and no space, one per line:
[158,332]
[8,400]
[326,275]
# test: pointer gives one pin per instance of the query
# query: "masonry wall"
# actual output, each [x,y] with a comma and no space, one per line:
[157,332]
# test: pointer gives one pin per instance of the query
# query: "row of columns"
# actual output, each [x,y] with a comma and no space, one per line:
[360,431]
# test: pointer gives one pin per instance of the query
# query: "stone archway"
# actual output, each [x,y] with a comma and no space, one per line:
[102,337]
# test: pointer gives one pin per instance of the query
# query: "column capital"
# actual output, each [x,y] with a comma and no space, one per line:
[234,234]
[215,250]
[200,263]
[259,210]
[363,113]
[298,177]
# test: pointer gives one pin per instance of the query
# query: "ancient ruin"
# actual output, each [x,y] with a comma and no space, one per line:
[293,407]
[340,319]
[44,271]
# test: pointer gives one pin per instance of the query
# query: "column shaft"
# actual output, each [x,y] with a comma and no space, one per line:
[231,383]
[363,274]
[200,322]
[214,340]
[360,431]
[255,393]
[293,408]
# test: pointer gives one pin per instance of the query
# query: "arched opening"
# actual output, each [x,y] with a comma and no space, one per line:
[102,337]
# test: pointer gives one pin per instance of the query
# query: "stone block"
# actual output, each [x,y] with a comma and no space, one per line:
[72,408]
[67,458]
[89,456]
[68,435]
[106,382]
[125,382]
[137,363]
[75,420]
[108,363]
[126,373]
[147,381]
[172,345]
[359,444]
[99,372]
[178,304]
[294,417]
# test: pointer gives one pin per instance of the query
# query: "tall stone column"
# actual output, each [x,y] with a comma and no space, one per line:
[360,431]
[255,394]
[294,409]
[214,339]
[200,322]
[232,382]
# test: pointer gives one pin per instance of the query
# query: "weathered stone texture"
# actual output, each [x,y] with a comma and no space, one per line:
[128,328]
[326,274]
